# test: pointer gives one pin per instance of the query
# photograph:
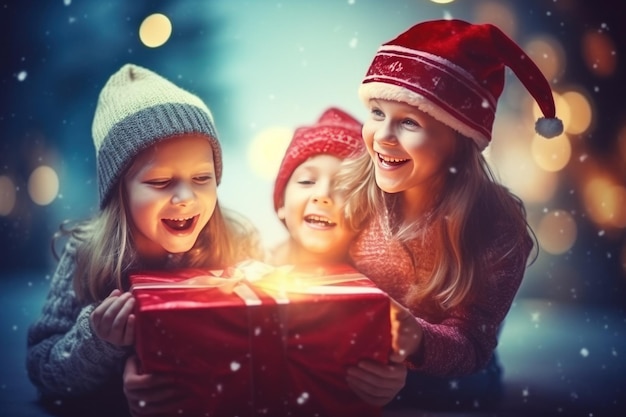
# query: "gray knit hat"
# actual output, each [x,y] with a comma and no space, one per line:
[136,109]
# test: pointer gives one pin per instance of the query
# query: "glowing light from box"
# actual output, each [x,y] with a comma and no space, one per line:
[7,195]
[155,30]
[553,154]
[556,232]
[43,185]
[599,52]
[605,202]
[266,151]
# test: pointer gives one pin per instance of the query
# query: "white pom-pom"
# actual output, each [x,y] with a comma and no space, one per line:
[549,127]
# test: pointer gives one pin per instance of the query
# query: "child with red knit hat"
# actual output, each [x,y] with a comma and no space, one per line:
[304,196]
[442,237]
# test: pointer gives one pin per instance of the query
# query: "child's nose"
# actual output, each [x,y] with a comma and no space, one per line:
[183,193]
[385,134]
[321,199]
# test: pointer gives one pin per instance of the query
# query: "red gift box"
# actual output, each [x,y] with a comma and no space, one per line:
[261,341]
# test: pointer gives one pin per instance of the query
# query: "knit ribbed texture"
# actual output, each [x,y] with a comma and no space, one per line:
[335,133]
[64,358]
[138,108]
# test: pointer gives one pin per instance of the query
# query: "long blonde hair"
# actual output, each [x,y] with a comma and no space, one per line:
[106,252]
[464,220]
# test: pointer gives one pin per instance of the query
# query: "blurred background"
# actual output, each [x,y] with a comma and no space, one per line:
[266,67]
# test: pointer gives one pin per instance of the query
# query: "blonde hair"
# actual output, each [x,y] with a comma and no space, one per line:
[106,253]
[464,221]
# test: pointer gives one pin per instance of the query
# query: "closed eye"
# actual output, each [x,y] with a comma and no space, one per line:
[202,179]
[160,183]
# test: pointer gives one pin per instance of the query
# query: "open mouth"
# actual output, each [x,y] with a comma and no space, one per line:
[389,162]
[319,221]
[180,225]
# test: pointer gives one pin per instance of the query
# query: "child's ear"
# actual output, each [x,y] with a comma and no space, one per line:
[281,213]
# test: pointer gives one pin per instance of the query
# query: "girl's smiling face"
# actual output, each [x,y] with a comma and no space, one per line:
[411,150]
[313,212]
[171,193]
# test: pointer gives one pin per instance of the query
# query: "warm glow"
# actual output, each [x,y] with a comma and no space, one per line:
[442,1]
[510,157]
[267,149]
[43,185]
[563,110]
[556,232]
[549,56]
[552,154]
[7,195]
[580,112]
[498,13]
[599,53]
[155,30]
[605,202]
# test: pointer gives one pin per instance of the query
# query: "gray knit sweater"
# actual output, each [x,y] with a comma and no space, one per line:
[65,358]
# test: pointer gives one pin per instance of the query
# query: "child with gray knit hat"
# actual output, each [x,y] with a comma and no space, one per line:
[159,163]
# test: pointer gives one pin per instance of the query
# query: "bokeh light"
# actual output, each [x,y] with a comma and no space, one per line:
[598,51]
[556,232]
[498,13]
[605,202]
[155,30]
[548,54]
[7,195]
[552,154]
[442,1]
[580,112]
[266,151]
[43,185]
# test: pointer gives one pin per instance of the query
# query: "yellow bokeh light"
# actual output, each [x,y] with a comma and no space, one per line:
[605,202]
[551,155]
[155,30]
[43,185]
[580,112]
[563,110]
[7,195]
[556,232]
[267,149]
[498,13]
[549,56]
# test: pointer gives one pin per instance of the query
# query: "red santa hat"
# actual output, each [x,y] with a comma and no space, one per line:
[336,133]
[454,71]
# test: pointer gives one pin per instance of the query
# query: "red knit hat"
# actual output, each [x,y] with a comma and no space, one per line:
[454,71]
[335,133]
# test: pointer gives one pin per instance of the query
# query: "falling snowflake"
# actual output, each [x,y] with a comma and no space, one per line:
[353,42]
[303,398]
[234,366]
[21,76]
[142,403]
[584,352]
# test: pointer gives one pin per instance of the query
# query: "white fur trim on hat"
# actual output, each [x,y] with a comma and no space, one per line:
[385,91]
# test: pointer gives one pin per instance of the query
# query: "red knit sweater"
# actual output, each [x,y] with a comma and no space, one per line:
[459,341]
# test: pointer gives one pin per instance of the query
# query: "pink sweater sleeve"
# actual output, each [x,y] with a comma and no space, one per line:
[463,340]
